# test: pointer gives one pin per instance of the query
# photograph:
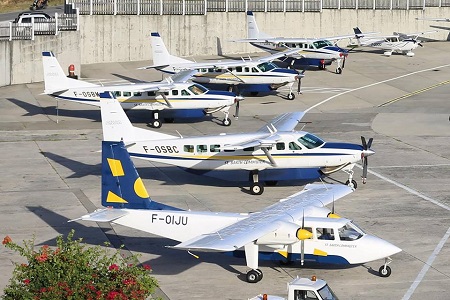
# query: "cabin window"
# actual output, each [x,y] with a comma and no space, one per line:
[210,70]
[255,70]
[185,93]
[166,93]
[126,94]
[238,69]
[117,93]
[202,148]
[229,150]
[281,146]
[174,92]
[188,148]
[294,146]
[325,233]
[203,70]
[249,149]
[137,94]
[305,295]
[230,69]
[247,69]
[214,148]
[152,94]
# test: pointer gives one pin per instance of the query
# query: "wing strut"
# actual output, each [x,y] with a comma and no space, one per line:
[269,156]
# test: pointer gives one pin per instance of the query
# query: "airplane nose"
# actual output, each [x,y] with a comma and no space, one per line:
[377,248]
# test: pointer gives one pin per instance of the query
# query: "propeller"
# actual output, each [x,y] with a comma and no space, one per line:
[366,146]
[302,235]
[332,214]
[238,105]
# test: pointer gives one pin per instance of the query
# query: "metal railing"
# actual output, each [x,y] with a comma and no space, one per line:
[27,31]
[200,7]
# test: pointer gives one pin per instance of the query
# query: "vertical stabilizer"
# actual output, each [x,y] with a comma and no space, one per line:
[121,185]
[252,28]
[117,127]
[161,56]
[54,78]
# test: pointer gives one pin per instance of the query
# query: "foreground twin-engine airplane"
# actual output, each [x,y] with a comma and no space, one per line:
[298,227]
[399,43]
[275,147]
[312,52]
[244,74]
[174,93]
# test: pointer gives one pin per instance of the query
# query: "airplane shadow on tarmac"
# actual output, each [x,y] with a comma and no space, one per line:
[169,261]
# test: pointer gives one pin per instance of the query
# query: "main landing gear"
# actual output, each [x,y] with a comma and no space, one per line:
[256,188]
[156,123]
[351,182]
[385,270]
[253,276]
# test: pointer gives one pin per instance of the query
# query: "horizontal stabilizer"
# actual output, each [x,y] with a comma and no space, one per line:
[102,215]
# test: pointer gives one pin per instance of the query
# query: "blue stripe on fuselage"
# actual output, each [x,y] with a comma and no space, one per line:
[274,256]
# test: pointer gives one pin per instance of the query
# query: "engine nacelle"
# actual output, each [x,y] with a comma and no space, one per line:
[287,234]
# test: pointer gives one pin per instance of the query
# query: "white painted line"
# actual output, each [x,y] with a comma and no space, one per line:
[373,84]
[410,190]
[427,266]
[411,166]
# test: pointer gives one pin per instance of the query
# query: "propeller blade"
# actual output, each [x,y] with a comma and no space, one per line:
[365,165]
[236,112]
[332,207]
[364,144]
[369,144]
[302,252]
[420,44]
[343,62]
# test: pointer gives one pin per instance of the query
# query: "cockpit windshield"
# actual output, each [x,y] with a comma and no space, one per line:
[267,66]
[350,232]
[321,44]
[197,89]
[327,294]
[310,141]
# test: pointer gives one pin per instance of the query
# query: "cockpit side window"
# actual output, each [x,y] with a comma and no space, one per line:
[294,146]
[349,233]
[310,141]
[197,89]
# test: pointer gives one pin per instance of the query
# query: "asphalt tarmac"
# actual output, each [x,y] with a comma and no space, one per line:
[50,164]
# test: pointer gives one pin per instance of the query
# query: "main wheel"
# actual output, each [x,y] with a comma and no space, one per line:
[291,96]
[384,272]
[157,124]
[338,71]
[257,189]
[260,274]
[226,122]
[253,276]
[353,184]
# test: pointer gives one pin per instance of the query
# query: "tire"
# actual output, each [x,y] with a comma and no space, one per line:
[226,122]
[353,184]
[384,272]
[291,96]
[338,71]
[257,189]
[253,276]
[156,124]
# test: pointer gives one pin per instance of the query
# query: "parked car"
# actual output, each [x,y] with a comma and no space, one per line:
[43,23]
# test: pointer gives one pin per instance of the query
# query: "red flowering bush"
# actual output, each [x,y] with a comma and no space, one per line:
[75,271]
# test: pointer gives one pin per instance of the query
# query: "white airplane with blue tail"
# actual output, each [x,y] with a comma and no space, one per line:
[174,93]
[244,75]
[275,148]
[298,227]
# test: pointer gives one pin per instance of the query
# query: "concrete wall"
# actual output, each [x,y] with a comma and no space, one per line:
[125,38]
[21,61]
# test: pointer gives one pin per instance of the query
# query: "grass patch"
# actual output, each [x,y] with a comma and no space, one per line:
[22,5]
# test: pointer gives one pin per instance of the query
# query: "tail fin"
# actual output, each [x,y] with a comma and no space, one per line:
[121,185]
[161,56]
[252,28]
[358,32]
[116,125]
[54,78]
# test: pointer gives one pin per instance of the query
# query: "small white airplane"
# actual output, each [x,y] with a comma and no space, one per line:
[275,147]
[435,19]
[256,75]
[312,51]
[174,93]
[298,227]
[399,43]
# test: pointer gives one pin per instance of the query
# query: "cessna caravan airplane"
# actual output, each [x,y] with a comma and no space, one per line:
[174,93]
[260,74]
[298,227]
[311,51]
[275,148]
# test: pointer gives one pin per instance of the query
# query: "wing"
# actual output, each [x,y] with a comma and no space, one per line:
[183,76]
[284,122]
[288,53]
[259,224]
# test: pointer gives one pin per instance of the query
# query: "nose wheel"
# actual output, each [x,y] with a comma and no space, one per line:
[385,270]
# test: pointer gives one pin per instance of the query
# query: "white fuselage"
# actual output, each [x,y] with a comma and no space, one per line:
[211,152]
[183,96]
[389,44]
